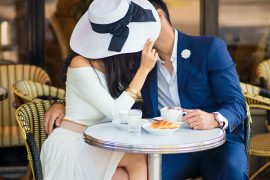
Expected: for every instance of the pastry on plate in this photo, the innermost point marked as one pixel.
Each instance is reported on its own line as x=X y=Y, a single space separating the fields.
x=164 y=124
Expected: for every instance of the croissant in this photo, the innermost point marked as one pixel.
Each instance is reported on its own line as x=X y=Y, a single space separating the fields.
x=163 y=124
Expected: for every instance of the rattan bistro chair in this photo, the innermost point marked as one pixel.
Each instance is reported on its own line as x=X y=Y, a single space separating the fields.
x=260 y=143
x=254 y=96
x=30 y=117
x=27 y=90
x=263 y=73
x=9 y=130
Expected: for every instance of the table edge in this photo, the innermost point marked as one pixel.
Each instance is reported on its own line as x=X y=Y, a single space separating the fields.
x=149 y=149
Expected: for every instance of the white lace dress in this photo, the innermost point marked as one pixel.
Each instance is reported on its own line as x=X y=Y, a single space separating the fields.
x=64 y=154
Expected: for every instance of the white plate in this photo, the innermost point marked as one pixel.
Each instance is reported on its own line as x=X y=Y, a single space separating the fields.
x=159 y=132
x=158 y=118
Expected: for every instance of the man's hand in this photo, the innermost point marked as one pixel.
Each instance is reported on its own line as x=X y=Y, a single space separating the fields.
x=197 y=119
x=54 y=115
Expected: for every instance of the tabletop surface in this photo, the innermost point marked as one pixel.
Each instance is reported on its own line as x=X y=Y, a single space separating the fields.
x=109 y=136
x=3 y=93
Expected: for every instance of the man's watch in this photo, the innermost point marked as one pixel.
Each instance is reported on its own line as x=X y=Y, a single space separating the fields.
x=59 y=101
x=221 y=123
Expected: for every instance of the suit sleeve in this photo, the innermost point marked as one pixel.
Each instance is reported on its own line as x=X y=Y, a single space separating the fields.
x=224 y=82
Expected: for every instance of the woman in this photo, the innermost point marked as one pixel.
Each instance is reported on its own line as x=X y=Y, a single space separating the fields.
x=101 y=83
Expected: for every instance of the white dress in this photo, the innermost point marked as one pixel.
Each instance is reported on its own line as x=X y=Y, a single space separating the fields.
x=64 y=154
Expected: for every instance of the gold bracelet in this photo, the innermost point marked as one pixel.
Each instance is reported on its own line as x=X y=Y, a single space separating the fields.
x=134 y=96
x=131 y=95
x=134 y=91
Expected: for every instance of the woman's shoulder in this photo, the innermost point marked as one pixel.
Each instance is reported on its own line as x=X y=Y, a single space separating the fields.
x=81 y=66
x=79 y=61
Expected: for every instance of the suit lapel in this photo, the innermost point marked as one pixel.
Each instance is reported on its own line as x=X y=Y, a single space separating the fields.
x=150 y=88
x=150 y=93
x=183 y=64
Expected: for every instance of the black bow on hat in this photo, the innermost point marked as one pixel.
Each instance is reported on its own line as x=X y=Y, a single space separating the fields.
x=119 y=29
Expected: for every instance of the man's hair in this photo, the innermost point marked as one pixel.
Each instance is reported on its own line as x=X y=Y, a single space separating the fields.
x=160 y=4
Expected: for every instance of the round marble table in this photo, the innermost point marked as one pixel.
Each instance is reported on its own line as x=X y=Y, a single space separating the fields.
x=109 y=136
x=3 y=94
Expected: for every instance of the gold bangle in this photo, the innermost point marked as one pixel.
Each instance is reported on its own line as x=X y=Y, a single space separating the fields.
x=131 y=95
x=134 y=96
x=134 y=91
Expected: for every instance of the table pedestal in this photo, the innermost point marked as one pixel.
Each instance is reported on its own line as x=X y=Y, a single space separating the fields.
x=154 y=166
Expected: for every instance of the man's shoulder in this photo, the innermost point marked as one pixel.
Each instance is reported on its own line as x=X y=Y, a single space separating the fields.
x=204 y=41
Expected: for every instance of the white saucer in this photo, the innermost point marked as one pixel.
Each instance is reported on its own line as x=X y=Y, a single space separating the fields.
x=157 y=118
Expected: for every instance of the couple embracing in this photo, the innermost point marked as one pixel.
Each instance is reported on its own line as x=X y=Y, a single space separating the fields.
x=124 y=48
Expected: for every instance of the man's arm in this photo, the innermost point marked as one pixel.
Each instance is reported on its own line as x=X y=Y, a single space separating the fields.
x=225 y=85
x=54 y=115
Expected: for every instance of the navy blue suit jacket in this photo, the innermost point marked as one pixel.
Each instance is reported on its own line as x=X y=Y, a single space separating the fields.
x=207 y=80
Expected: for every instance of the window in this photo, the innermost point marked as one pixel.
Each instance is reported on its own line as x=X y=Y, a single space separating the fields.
x=245 y=26
x=13 y=32
x=185 y=15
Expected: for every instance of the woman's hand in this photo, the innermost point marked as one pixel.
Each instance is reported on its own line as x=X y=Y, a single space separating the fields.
x=149 y=57
x=148 y=61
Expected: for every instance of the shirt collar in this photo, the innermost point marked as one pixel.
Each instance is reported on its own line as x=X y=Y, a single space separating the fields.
x=174 y=52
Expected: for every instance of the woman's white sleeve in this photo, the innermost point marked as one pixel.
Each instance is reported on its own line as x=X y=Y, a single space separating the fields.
x=89 y=88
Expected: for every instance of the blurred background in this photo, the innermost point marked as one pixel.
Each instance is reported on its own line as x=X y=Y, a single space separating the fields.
x=37 y=32
x=243 y=24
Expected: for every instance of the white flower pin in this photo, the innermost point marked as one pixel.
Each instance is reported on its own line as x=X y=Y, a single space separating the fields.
x=185 y=53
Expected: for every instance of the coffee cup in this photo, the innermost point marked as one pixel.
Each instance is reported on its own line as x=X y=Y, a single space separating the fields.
x=174 y=114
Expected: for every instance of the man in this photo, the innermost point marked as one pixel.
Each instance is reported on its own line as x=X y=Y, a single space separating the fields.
x=197 y=74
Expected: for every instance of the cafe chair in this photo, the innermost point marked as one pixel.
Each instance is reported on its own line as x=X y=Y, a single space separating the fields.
x=9 y=130
x=27 y=90
x=258 y=98
x=255 y=96
x=260 y=143
x=263 y=73
x=30 y=117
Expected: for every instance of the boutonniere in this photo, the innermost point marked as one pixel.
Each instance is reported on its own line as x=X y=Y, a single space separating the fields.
x=185 y=53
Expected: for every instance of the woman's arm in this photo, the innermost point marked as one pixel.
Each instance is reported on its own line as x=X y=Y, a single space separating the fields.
x=92 y=92
x=57 y=111
x=148 y=61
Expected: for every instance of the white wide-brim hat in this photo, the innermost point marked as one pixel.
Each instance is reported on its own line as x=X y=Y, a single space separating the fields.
x=90 y=44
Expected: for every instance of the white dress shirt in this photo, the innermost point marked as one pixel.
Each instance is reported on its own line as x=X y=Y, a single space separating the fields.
x=167 y=84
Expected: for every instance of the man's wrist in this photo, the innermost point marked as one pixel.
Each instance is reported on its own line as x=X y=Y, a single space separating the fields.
x=215 y=123
x=219 y=122
x=58 y=101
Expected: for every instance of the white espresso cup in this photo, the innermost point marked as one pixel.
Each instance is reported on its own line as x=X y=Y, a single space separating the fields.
x=174 y=114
